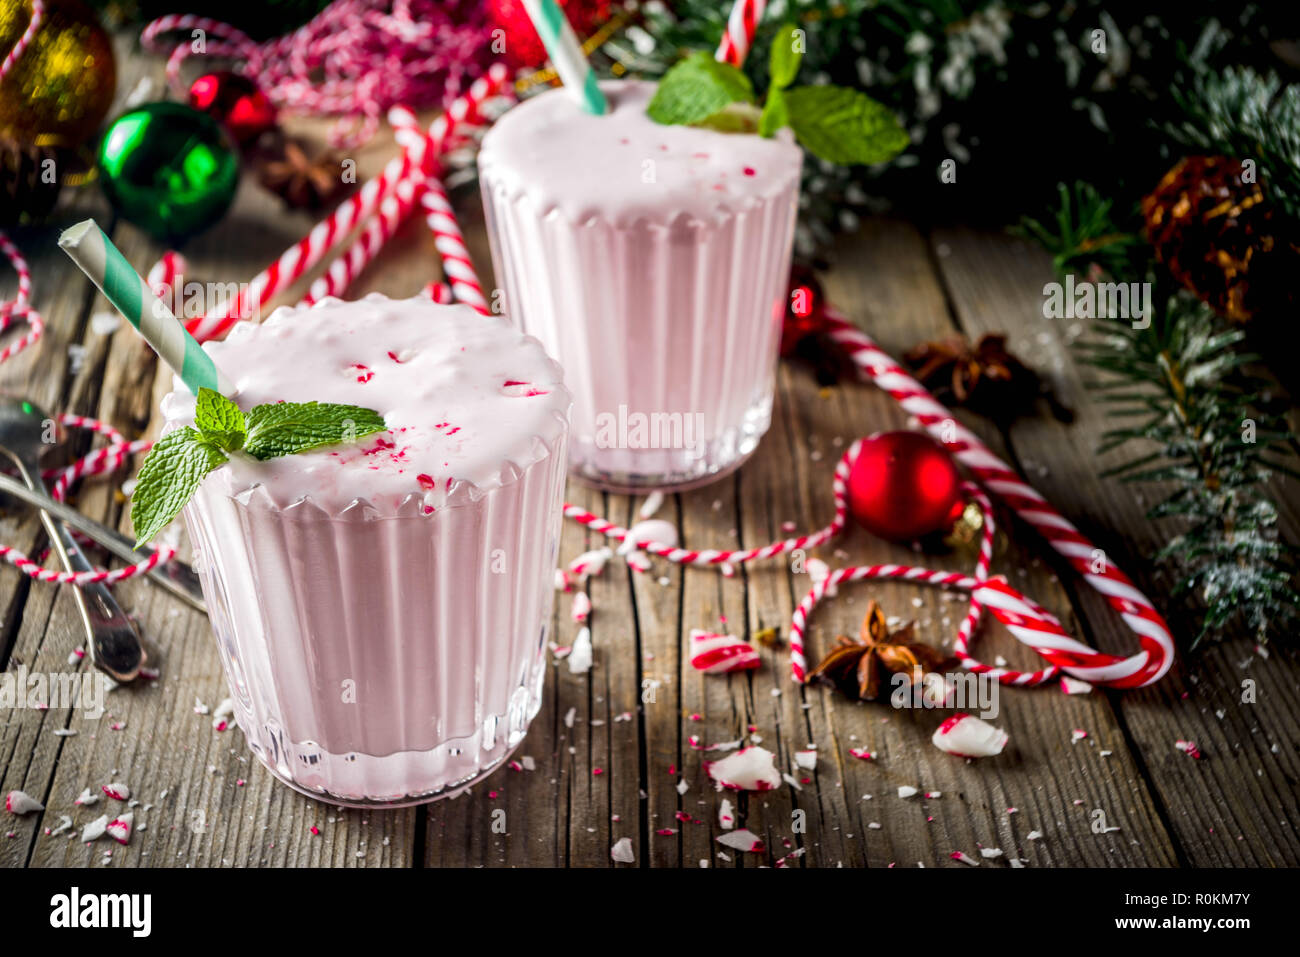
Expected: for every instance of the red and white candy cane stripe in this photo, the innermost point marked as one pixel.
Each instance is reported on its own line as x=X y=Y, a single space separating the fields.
x=19 y=308
x=340 y=273
x=449 y=242
x=353 y=59
x=16 y=51
x=104 y=460
x=163 y=277
x=686 y=556
x=419 y=153
x=716 y=654
x=447 y=237
x=1156 y=642
x=439 y=292
x=739 y=35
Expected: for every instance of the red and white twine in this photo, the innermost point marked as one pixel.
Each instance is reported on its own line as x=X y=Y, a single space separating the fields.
x=354 y=59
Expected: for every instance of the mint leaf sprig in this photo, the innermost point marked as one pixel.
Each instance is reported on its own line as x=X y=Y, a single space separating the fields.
x=180 y=460
x=835 y=123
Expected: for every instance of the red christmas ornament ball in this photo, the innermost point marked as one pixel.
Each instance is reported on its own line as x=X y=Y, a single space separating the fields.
x=522 y=47
x=234 y=101
x=805 y=311
x=904 y=485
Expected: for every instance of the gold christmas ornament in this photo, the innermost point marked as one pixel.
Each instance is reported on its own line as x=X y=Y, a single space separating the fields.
x=63 y=83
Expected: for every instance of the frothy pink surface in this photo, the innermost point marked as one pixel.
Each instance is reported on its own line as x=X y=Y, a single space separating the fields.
x=445 y=379
x=623 y=166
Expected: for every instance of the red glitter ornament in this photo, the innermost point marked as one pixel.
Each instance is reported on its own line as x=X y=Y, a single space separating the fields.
x=520 y=44
x=234 y=101
x=805 y=311
x=904 y=485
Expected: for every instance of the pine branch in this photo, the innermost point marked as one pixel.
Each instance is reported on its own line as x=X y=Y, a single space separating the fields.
x=1212 y=433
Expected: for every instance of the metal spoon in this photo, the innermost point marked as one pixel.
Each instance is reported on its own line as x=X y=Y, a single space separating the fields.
x=175 y=576
x=114 y=643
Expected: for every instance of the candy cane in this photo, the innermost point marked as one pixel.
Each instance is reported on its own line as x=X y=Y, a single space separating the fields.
x=19 y=307
x=739 y=34
x=38 y=14
x=450 y=243
x=1155 y=639
x=393 y=211
x=447 y=237
x=327 y=235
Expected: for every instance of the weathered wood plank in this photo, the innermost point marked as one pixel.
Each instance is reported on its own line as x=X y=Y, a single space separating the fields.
x=1236 y=807
x=883 y=278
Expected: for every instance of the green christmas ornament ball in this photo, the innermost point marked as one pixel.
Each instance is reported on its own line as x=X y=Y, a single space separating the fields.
x=169 y=169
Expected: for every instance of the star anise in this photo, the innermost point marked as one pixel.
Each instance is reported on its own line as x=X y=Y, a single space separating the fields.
x=303 y=182
x=984 y=377
x=857 y=666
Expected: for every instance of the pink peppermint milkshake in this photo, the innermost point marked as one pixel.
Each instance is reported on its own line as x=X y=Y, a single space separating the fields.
x=382 y=607
x=652 y=262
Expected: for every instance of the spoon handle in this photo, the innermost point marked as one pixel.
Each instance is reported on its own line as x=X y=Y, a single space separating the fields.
x=176 y=576
x=114 y=642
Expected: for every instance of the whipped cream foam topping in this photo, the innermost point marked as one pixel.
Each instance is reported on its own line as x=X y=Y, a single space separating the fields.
x=623 y=166
x=467 y=399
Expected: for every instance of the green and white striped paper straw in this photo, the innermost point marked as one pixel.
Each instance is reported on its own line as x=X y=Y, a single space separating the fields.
x=566 y=54
x=108 y=269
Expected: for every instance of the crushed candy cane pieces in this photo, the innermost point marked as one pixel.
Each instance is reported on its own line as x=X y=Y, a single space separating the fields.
x=862 y=754
x=20 y=802
x=726 y=815
x=581 y=607
x=649 y=531
x=968 y=737
x=580 y=657
x=742 y=840
x=622 y=851
x=964 y=859
x=1188 y=748
x=222 y=715
x=119 y=829
x=651 y=504
x=716 y=654
x=117 y=791
x=95 y=829
x=749 y=769
x=1074 y=685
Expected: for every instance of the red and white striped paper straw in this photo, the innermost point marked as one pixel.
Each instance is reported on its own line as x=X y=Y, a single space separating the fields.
x=739 y=34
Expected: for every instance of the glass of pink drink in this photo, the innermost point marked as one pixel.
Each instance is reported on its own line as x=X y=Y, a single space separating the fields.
x=382 y=607
x=652 y=262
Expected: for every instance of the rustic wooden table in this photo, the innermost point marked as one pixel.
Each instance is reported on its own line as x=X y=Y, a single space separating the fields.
x=610 y=747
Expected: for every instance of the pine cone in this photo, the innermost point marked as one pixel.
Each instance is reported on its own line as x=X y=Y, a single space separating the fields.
x=1221 y=238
